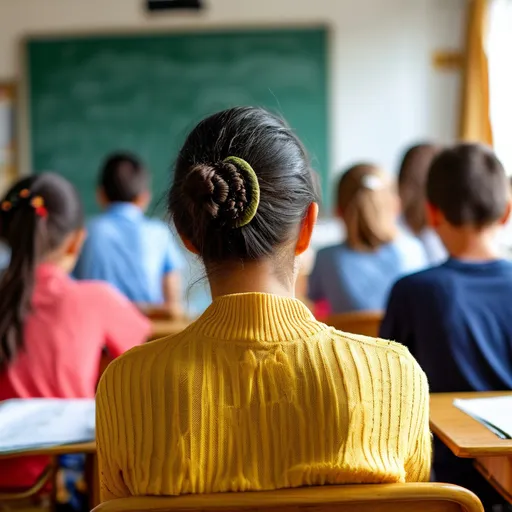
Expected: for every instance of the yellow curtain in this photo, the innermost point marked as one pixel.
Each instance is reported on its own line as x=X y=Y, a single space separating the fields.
x=475 y=124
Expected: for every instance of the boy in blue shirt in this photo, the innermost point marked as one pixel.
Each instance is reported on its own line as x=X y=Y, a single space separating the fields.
x=134 y=253
x=456 y=318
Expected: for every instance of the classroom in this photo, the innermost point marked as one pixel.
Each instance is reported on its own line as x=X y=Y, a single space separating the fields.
x=255 y=255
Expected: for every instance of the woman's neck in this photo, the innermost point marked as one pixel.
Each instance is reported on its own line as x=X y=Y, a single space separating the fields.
x=260 y=277
x=64 y=262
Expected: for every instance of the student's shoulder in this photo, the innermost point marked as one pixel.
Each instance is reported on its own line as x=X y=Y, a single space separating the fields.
x=391 y=350
x=153 y=355
x=99 y=219
x=98 y=291
x=92 y=299
x=157 y=225
x=330 y=252
x=102 y=223
x=388 y=359
x=158 y=231
x=430 y=277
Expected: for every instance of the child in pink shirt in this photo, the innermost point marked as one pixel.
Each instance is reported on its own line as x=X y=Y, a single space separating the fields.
x=53 y=329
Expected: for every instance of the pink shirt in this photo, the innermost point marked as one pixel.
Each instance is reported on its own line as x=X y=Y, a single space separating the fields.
x=71 y=323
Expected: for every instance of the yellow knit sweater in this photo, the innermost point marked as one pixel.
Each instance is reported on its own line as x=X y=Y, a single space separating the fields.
x=258 y=395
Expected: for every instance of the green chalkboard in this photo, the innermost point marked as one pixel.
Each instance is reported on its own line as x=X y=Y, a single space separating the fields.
x=90 y=96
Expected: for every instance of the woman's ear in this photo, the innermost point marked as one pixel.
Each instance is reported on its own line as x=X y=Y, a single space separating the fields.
x=143 y=199
x=67 y=255
x=188 y=245
x=506 y=216
x=75 y=243
x=306 y=229
x=434 y=216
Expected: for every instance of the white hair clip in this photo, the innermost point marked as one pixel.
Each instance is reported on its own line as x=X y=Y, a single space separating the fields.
x=372 y=182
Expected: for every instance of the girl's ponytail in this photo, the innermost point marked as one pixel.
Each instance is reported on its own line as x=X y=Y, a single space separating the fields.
x=368 y=204
x=17 y=283
x=35 y=217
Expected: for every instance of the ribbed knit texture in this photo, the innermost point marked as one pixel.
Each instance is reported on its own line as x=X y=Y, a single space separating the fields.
x=258 y=395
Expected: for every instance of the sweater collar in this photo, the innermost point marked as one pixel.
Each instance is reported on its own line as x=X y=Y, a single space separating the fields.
x=258 y=317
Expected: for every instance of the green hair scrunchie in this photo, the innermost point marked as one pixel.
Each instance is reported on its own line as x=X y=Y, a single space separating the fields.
x=252 y=186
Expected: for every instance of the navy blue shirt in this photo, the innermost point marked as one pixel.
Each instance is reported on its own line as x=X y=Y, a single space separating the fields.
x=456 y=319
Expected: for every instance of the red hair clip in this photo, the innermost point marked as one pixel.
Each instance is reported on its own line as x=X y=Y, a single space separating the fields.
x=37 y=203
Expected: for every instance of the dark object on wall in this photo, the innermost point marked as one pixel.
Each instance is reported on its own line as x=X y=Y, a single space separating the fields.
x=167 y=5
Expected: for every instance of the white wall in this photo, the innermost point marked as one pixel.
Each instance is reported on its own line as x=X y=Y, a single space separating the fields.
x=385 y=92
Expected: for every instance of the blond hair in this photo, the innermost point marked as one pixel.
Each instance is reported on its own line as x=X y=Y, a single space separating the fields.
x=366 y=201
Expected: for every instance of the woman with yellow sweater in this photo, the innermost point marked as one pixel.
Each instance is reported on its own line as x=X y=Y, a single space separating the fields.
x=256 y=394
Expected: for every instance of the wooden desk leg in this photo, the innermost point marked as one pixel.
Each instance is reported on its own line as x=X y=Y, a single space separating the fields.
x=498 y=472
x=93 y=480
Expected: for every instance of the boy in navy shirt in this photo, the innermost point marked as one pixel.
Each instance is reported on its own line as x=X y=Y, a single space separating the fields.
x=456 y=318
x=132 y=252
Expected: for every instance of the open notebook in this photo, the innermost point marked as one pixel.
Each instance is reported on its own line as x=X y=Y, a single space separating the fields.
x=40 y=422
x=494 y=413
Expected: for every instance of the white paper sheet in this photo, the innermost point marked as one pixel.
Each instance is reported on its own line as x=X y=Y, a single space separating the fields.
x=40 y=422
x=494 y=413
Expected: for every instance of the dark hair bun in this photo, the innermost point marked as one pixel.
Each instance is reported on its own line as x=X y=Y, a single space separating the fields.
x=218 y=191
x=220 y=207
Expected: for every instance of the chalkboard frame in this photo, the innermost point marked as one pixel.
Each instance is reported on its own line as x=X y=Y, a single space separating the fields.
x=24 y=111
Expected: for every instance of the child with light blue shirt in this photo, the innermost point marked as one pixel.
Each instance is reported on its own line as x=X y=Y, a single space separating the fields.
x=132 y=252
x=358 y=274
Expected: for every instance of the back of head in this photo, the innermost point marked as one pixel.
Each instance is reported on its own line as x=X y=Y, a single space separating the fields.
x=467 y=183
x=123 y=178
x=220 y=207
x=36 y=216
x=366 y=201
x=412 y=180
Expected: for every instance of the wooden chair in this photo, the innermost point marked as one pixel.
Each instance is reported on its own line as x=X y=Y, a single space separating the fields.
x=344 y=498
x=357 y=322
x=47 y=477
x=30 y=499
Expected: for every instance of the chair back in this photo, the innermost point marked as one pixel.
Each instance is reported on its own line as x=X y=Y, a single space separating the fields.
x=357 y=322
x=344 y=498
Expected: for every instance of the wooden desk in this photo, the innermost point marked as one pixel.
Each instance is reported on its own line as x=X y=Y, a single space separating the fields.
x=55 y=451
x=92 y=474
x=467 y=438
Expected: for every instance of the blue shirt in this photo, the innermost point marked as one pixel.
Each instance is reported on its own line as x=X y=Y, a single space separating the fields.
x=456 y=319
x=352 y=280
x=432 y=245
x=129 y=251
